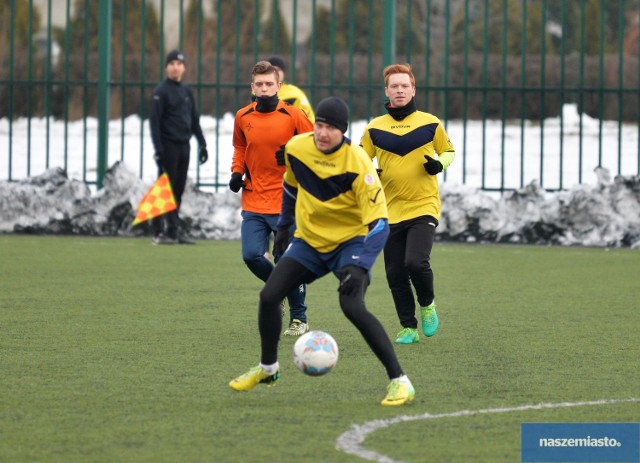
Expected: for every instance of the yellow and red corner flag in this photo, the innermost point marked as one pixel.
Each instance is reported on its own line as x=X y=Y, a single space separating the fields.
x=157 y=201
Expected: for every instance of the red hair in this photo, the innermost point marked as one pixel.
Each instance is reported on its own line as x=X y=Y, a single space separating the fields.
x=398 y=69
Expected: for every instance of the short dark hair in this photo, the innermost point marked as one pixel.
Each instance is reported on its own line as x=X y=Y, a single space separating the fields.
x=264 y=67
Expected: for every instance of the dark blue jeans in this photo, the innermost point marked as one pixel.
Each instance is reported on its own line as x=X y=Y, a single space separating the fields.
x=256 y=231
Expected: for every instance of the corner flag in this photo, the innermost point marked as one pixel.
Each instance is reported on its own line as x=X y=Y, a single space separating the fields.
x=157 y=201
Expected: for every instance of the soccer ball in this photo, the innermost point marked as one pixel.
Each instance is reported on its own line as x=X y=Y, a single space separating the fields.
x=315 y=353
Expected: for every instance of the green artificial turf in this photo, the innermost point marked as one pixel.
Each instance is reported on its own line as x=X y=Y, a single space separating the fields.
x=114 y=350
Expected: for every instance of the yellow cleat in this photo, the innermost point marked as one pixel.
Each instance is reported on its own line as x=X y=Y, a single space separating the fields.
x=296 y=328
x=252 y=378
x=399 y=393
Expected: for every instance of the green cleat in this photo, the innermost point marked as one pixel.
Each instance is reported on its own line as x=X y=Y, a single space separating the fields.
x=408 y=336
x=252 y=378
x=429 y=318
x=399 y=393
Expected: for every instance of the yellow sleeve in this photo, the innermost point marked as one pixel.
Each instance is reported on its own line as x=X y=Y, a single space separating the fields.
x=444 y=147
x=446 y=158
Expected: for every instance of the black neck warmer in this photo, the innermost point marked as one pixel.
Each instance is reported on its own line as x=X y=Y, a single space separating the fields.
x=266 y=104
x=400 y=113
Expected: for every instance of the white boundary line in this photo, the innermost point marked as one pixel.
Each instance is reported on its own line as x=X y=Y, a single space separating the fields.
x=351 y=441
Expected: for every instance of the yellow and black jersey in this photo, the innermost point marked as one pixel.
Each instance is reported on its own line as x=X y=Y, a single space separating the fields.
x=293 y=95
x=338 y=194
x=400 y=147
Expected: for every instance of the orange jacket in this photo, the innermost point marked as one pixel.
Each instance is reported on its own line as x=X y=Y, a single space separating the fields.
x=256 y=138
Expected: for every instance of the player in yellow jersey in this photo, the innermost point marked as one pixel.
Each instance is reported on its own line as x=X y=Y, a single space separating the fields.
x=289 y=93
x=333 y=193
x=411 y=147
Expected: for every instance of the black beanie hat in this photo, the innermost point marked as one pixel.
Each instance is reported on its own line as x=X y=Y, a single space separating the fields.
x=174 y=55
x=334 y=111
x=276 y=60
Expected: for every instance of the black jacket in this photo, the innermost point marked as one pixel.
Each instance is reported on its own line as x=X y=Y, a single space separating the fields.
x=173 y=115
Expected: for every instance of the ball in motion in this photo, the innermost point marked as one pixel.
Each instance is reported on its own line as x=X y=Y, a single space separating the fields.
x=315 y=353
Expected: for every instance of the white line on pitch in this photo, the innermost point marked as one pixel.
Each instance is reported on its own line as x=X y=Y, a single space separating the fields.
x=351 y=441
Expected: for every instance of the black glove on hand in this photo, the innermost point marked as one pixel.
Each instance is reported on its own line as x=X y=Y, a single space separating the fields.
x=280 y=156
x=204 y=155
x=236 y=182
x=352 y=278
x=432 y=166
x=157 y=156
x=281 y=241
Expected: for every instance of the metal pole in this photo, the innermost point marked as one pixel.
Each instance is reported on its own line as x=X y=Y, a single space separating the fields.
x=104 y=75
x=389 y=33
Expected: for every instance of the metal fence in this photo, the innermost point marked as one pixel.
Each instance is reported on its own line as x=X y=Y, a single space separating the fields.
x=529 y=90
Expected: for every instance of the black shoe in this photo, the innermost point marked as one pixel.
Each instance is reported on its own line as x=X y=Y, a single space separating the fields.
x=185 y=239
x=163 y=239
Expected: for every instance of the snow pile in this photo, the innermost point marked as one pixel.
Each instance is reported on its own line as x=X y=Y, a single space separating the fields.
x=51 y=203
x=606 y=214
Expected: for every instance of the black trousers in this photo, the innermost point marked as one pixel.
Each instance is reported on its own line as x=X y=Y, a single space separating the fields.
x=289 y=274
x=175 y=162
x=407 y=256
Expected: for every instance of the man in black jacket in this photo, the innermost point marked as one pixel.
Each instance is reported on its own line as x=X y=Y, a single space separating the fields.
x=173 y=121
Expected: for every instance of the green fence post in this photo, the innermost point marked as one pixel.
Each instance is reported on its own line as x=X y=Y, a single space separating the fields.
x=123 y=75
x=621 y=20
x=389 y=33
x=503 y=92
x=104 y=74
x=563 y=56
x=30 y=86
x=581 y=89
x=543 y=73
x=48 y=87
x=142 y=111
x=523 y=91
x=485 y=68
x=12 y=45
x=465 y=94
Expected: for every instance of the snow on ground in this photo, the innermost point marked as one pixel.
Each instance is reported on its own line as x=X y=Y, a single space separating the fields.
x=47 y=194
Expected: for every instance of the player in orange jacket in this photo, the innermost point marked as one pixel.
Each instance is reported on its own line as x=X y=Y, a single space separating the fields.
x=260 y=129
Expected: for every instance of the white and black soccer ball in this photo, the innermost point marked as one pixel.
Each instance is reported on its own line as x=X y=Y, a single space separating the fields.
x=315 y=353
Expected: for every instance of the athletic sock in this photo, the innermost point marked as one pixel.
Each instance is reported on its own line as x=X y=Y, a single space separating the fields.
x=270 y=369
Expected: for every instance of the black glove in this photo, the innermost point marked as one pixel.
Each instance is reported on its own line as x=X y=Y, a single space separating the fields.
x=236 y=182
x=280 y=156
x=379 y=172
x=352 y=278
x=281 y=241
x=157 y=156
x=204 y=154
x=432 y=166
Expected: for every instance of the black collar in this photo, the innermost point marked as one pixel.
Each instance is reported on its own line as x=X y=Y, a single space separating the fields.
x=400 y=113
x=266 y=104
